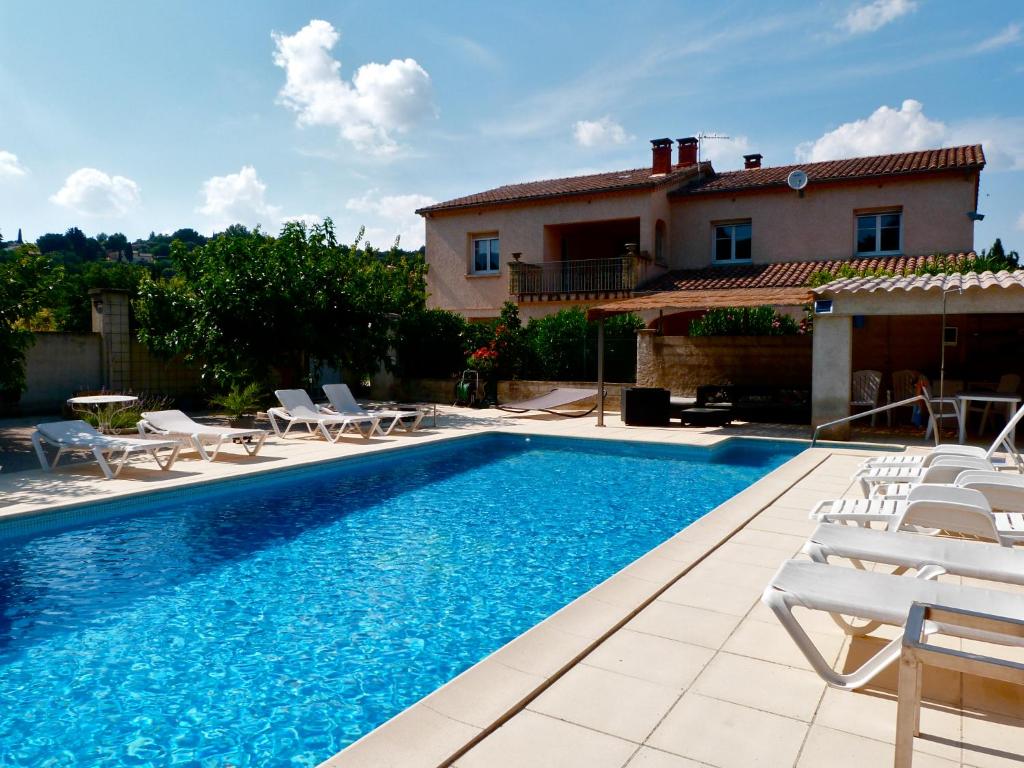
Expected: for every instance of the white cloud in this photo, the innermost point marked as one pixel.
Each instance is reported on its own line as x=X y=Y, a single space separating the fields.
x=886 y=130
x=238 y=198
x=1008 y=36
x=392 y=215
x=10 y=167
x=382 y=100
x=91 y=192
x=725 y=154
x=875 y=15
x=908 y=128
x=603 y=132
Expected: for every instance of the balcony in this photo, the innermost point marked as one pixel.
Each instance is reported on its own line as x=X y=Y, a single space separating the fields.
x=593 y=278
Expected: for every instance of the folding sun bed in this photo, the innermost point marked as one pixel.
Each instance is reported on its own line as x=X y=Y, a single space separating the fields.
x=78 y=435
x=556 y=398
x=344 y=404
x=977 y=502
x=174 y=422
x=298 y=408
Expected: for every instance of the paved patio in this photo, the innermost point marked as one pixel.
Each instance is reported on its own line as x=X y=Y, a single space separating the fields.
x=672 y=662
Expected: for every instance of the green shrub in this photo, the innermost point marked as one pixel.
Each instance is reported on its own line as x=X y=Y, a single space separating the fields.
x=744 y=321
x=238 y=401
x=429 y=344
x=563 y=347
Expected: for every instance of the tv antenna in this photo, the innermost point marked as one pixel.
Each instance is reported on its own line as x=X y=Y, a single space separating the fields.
x=706 y=135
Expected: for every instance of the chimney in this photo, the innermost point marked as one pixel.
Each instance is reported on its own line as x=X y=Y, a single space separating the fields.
x=662 y=149
x=752 y=161
x=687 y=152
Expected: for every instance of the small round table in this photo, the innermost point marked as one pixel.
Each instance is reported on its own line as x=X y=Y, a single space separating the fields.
x=107 y=406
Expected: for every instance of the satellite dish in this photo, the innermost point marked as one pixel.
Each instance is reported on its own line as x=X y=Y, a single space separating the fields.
x=797 y=179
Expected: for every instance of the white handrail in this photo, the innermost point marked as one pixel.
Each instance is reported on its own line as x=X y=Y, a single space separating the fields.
x=880 y=409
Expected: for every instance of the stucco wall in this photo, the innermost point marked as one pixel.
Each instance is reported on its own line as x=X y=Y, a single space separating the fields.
x=821 y=224
x=683 y=363
x=57 y=366
x=521 y=229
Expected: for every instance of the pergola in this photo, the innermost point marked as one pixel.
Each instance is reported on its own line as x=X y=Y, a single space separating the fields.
x=686 y=301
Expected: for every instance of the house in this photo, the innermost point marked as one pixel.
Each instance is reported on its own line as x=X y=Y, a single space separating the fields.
x=680 y=225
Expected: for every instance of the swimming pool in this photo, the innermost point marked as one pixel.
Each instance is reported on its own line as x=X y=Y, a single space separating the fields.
x=273 y=621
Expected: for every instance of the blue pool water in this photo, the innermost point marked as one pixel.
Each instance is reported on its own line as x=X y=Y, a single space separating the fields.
x=273 y=622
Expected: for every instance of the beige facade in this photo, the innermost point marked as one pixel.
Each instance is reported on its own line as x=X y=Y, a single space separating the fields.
x=676 y=232
x=821 y=224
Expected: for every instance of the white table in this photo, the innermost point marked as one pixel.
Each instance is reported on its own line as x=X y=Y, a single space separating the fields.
x=107 y=406
x=1012 y=402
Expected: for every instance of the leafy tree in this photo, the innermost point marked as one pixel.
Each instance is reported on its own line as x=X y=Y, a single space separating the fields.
x=429 y=344
x=188 y=236
x=246 y=305
x=119 y=242
x=26 y=280
x=52 y=242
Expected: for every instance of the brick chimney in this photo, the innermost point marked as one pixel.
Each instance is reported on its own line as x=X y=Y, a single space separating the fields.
x=687 y=152
x=752 y=161
x=662 y=150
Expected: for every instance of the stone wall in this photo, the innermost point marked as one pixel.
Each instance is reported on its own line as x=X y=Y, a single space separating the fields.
x=683 y=363
x=58 y=365
x=443 y=391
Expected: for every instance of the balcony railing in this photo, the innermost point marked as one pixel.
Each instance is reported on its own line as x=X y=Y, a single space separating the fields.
x=574 y=276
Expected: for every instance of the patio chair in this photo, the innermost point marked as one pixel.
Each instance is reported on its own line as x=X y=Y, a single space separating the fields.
x=904 y=386
x=298 y=408
x=880 y=598
x=1003 y=501
x=173 y=422
x=865 y=388
x=1009 y=384
x=944 y=407
x=78 y=435
x=343 y=403
x=876 y=481
x=1002 y=441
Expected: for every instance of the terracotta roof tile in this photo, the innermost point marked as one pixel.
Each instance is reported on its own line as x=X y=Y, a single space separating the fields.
x=782 y=274
x=613 y=181
x=924 y=161
x=963 y=281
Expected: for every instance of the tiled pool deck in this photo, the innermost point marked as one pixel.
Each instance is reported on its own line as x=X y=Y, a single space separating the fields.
x=672 y=662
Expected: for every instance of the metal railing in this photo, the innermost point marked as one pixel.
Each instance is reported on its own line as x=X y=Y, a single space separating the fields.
x=574 y=276
x=887 y=407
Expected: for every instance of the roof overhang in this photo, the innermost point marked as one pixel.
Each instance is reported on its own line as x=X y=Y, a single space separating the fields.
x=966 y=293
x=696 y=301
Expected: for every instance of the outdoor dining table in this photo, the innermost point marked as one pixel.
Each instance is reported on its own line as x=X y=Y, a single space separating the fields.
x=1012 y=402
x=107 y=406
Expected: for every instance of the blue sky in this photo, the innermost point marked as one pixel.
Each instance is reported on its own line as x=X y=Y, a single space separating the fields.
x=128 y=116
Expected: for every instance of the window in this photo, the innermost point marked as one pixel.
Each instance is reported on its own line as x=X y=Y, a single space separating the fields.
x=732 y=242
x=880 y=232
x=485 y=255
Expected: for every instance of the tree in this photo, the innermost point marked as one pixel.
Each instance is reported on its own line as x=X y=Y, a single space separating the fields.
x=246 y=305
x=118 y=242
x=1000 y=258
x=26 y=282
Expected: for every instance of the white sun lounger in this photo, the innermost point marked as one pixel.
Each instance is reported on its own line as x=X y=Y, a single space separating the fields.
x=965 y=507
x=878 y=481
x=173 y=422
x=1002 y=442
x=298 y=408
x=960 y=557
x=78 y=435
x=344 y=404
x=878 y=598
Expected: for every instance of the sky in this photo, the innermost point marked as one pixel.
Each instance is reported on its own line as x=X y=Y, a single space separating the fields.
x=137 y=117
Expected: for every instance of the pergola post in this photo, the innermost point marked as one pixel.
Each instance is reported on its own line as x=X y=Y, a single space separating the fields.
x=600 y=371
x=830 y=381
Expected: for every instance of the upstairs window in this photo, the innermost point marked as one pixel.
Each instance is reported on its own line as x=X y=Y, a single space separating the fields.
x=732 y=243
x=486 y=256
x=880 y=233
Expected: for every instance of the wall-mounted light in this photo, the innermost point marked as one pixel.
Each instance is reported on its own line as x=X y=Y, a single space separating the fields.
x=97 y=304
x=975 y=216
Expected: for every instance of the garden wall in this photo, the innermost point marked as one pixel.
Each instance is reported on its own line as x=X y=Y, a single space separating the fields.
x=57 y=366
x=443 y=391
x=683 y=363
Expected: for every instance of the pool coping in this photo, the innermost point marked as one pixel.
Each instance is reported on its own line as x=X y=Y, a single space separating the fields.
x=441 y=727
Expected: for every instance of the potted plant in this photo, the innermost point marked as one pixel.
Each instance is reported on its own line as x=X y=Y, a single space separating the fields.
x=240 y=405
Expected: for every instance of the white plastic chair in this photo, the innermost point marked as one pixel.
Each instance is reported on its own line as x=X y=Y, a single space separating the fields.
x=174 y=422
x=865 y=389
x=78 y=435
x=343 y=403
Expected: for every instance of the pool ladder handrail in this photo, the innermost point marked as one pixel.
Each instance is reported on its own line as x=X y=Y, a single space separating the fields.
x=887 y=407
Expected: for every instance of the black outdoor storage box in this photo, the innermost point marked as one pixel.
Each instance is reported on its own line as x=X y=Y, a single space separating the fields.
x=645 y=406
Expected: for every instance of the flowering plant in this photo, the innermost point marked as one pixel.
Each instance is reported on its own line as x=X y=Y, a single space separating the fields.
x=484 y=360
